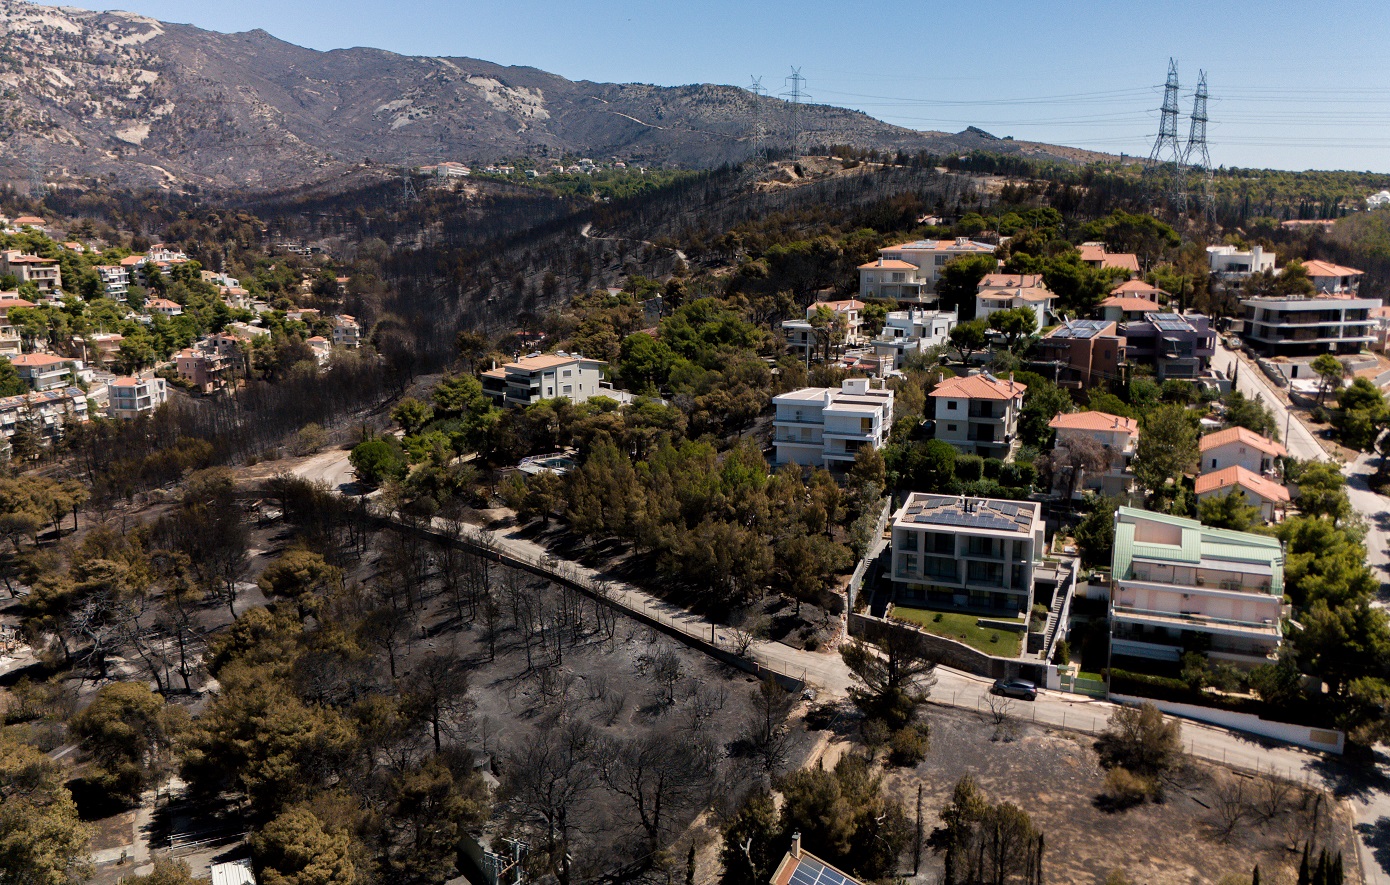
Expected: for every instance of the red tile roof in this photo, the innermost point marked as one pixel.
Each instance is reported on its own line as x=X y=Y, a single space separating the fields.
x=979 y=387
x=1328 y=269
x=1131 y=305
x=1093 y=421
x=1239 y=476
x=1240 y=434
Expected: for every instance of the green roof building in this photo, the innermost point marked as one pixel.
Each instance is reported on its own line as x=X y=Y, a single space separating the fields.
x=1179 y=586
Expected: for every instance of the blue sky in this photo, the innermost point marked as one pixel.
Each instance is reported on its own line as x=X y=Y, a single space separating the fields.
x=1293 y=85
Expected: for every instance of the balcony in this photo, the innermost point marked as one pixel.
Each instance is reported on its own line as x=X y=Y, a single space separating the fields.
x=1164 y=578
x=1202 y=623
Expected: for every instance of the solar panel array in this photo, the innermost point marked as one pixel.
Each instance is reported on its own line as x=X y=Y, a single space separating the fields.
x=1169 y=322
x=1081 y=329
x=978 y=514
x=812 y=872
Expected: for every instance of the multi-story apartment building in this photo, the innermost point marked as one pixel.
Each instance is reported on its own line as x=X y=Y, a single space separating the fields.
x=131 y=397
x=346 y=331
x=49 y=413
x=544 y=376
x=1179 y=586
x=1117 y=436
x=910 y=271
x=206 y=371
x=1001 y=291
x=11 y=343
x=978 y=414
x=966 y=553
x=906 y=332
x=1239 y=447
x=824 y=427
x=42 y=272
x=1084 y=352
x=1175 y=345
x=115 y=280
x=801 y=334
x=1299 y=325
x=44 y=371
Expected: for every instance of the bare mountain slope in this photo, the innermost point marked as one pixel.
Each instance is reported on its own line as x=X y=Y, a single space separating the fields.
x=116 y=94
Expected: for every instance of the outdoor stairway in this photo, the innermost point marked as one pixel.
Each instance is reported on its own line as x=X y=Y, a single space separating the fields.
x=1054 y=615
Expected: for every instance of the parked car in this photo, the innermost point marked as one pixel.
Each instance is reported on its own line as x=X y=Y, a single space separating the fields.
x=1016 y=688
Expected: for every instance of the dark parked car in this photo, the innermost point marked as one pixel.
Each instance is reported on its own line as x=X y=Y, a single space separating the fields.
x=1016 y=688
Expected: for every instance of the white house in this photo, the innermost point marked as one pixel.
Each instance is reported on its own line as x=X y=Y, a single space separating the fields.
x=545 y=376
x=1236 y=446
x=1378 y=201
x=978 y=414
x=45 y=371
x=346 y=332
x=1001 y=291
x=801 y=334
x=1117 y=436
x=1271 y=497
x=912 y=331
x=1334 y=279
x=967 y=553
x=1231 y=263
x=115 y=280
x=824 y=427
x=131 y=397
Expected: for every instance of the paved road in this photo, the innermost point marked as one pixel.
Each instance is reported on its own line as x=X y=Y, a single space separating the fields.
x=1368 y=795
x=1374 y=509
x=1251 y=381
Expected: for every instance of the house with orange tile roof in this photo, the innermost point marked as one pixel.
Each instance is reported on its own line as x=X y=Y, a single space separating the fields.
x=1006 y=291
x=204 y=370
x=1239 y=446
x=164 y=307
x=44 y=371
x=541 y=376
x=978 y=414
x=1271 y=497
x=1334 y=279
x=135 y=396
x=346 y=332
x=1117 y=436
x=42 y=272
x=1096 y=255
x=910 y=271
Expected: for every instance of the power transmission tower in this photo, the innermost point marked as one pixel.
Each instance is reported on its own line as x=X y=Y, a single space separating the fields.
x=1197 y=157
x=1166 y=159
x=408 y=194
x=759 y=132
x=795 y=95
x=37 y=190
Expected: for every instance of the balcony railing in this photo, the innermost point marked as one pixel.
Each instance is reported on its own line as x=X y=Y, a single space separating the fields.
x=1268 y=626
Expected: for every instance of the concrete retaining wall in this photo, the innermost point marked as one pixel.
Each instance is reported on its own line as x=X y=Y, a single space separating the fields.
x=947 y=652
x=1324 y=739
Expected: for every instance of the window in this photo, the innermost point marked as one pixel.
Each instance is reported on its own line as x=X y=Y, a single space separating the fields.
x=1213 y=463
x=951 y=405
x=568 y=388
x=565 y=373
x=951 y=428
x=942 y=259
x=908 y=540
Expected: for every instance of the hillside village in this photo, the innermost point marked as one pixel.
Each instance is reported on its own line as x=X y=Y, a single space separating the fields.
x=878 y=522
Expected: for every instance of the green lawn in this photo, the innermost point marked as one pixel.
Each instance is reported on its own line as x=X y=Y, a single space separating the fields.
x=962 y=628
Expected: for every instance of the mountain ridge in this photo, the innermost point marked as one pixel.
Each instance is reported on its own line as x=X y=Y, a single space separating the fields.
x=138 y=102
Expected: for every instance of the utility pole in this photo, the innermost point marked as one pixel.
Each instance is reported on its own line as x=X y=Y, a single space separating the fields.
x=37 y=190
x=1166 y=158
x=758 y=133
x=795 y=95
x=1197 y=148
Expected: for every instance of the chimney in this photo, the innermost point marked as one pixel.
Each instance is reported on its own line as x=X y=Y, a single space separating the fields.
x=796 y=845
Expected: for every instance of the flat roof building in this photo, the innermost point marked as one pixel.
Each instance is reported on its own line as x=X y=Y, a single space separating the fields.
x=1179 y=586
x=824 y=427
x=544 y=376
x=966 y=553
x=1084 y=352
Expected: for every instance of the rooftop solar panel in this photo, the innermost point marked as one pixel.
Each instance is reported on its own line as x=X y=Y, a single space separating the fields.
x=811 y=872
